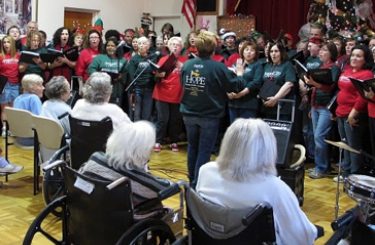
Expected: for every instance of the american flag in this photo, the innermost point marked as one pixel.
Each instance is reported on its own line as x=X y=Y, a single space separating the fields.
x=189 y=10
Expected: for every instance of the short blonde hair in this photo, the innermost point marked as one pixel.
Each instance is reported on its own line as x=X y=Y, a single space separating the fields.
x=30 y=80
x=248 y=149
x=205 y=43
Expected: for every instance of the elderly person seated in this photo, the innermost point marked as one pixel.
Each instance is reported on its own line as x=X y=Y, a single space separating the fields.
x=243 y=176
x=94 y=106
x=127 y=153
x=32 y=85
x=58 y=92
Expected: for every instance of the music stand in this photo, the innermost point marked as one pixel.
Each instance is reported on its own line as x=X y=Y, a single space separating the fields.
x=342 y=146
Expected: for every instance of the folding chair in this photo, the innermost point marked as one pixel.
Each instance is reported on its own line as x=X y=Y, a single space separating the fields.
x=20 y=123
x=50 y=137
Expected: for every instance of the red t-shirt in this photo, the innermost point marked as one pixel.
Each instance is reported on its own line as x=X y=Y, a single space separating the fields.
x=9 y=67
x=63 y=70
x=348 y=96
x=84 y=60
x=169 y=89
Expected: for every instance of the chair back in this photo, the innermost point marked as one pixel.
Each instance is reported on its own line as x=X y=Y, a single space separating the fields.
x=87 y=137
x=50 y=135
x=20 y=122
x=96 y=214
x=211 y=223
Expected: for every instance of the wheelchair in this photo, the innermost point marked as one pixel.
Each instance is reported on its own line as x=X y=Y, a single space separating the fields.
x=209 y=223
x=96 y=211
x=86 y=138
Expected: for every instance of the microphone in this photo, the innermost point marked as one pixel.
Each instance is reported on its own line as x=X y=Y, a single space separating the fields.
x=121 y=43
x=154 y=55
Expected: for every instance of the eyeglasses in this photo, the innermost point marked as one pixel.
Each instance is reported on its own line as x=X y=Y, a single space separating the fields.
x=94 y=37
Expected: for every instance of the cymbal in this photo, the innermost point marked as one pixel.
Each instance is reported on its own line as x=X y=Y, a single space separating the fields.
x=343 y=146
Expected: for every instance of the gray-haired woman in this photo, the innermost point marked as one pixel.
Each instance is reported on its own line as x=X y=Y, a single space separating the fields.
x=94 y=105
x=58 y=92
x=244 y=174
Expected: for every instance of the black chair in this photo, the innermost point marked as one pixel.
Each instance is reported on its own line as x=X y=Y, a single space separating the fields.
x=96 y=211
x=209 y=223
x=87 y=137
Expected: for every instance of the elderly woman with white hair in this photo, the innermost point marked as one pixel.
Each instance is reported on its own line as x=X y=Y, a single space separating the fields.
x=95 y=104
x=127 y=153
x=167 y=95
x=244 y=174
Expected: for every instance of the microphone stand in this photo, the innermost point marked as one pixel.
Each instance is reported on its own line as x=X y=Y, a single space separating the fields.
x=136 y=78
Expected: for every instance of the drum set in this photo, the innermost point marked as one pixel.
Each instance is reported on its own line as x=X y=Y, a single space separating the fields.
x=358 y=222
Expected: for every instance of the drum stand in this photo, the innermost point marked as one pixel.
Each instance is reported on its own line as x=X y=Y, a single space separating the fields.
x=337 y=207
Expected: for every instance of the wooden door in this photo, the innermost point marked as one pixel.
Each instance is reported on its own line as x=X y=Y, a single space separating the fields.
x=75 y=19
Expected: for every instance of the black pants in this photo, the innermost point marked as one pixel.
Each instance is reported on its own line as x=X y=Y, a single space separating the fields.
x=168 y=121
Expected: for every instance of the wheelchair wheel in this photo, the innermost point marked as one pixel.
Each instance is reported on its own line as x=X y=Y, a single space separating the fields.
x=53 y=187
x=149 y=231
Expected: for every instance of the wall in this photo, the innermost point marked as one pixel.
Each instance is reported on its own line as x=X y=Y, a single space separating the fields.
x=116 y=14
x=170 y=11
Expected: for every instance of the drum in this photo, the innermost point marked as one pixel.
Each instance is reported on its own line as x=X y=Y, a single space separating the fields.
x=361 y=188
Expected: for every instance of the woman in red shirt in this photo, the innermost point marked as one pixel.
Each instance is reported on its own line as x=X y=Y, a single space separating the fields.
x=351 y=107
x=93 y=46
x=9 y=58
x=167 y=94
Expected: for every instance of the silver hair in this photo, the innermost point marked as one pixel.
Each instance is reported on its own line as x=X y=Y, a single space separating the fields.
x=143 y=39
x=178 y=39
x=248 y=149
x=97 y=88
x=30 y=80
x=56 y=87
x=130 y=145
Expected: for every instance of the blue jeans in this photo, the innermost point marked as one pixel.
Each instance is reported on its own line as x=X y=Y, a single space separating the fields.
x=321 y=120
x=352 y=136
x=308 y=134
x=201 y=136
x=143 y=104
x=235 y=113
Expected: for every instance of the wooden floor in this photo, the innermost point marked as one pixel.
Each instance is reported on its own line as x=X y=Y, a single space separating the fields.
x=18 y=206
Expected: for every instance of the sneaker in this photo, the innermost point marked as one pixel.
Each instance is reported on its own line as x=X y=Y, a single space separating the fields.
x=339 y=178
x=316 y=175
x=174 y=147
x=157 y=147
x=310 y=170
x=11 y=168
x=3 y=132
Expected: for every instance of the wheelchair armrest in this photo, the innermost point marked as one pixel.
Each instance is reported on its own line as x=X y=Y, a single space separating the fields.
x=253 y=214
x=57 y=155
x=169 y=191
x=116 y=183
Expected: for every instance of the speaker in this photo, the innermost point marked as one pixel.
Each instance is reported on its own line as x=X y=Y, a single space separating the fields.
x=283 y=132
x=206 y=5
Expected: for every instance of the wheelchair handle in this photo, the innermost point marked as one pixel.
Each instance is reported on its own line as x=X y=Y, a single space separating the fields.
x=170 y=191
x=345 y=219
x=253 y=214
x=53 y=164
